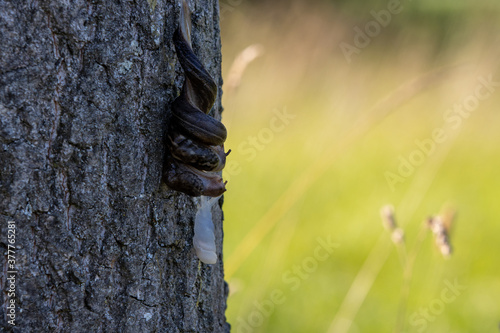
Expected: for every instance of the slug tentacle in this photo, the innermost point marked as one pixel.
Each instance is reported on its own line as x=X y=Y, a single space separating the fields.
x=195 y=140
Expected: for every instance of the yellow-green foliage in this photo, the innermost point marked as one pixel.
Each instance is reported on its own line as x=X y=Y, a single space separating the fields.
x=322 y=174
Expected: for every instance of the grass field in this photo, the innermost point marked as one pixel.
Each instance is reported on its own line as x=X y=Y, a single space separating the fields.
x=321 y=141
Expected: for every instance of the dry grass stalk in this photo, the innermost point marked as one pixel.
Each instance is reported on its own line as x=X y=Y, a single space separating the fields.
x=440 y=231
x=389 y=222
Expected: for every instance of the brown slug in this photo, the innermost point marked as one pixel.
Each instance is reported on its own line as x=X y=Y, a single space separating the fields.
x=195 y=140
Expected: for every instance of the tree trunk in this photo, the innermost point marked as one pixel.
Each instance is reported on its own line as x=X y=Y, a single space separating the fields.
x=100 y=244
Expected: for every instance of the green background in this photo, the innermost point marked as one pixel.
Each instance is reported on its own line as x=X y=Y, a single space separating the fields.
x=322 y=173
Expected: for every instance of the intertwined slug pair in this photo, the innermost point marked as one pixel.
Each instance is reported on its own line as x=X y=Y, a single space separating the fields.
x=195 y=140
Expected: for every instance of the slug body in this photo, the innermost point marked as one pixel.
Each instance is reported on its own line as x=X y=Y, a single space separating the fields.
x=195 y=140
x=204 y=236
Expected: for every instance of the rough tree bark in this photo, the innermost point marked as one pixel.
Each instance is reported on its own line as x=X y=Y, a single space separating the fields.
x=101 y=244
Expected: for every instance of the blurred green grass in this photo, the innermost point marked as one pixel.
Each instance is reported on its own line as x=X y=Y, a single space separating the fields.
x=323 y=174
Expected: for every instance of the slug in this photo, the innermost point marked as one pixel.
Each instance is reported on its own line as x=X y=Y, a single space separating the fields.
x=204 y=237
x=195 y=140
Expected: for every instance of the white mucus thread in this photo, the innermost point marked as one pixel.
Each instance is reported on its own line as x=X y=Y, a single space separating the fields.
x=204 y=236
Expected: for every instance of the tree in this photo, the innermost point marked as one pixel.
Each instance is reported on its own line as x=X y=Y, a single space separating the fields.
x=101 y=245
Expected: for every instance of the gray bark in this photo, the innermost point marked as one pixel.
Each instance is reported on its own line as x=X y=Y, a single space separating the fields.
x=101 y=244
